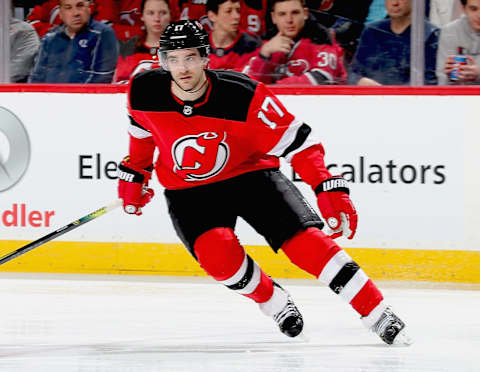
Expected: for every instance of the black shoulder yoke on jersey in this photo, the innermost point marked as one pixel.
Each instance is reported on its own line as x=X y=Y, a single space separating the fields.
x=229 y=97
x=245 y=44
x=254 y=4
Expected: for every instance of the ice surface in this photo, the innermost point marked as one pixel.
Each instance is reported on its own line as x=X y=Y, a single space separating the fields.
x=125 y=323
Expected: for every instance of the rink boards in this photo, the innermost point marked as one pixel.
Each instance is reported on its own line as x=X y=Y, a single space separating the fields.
x=411 y=155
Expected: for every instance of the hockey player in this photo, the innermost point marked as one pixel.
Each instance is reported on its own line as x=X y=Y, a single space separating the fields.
x=218 y=160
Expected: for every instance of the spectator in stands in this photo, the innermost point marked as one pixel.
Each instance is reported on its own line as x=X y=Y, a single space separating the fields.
x=127 y=16
x=45 y=16
x=81 y=50
x=140 y=52
x=461 y=37
x=24 y=44
x=252 y=20
x=301 y=52
x=230 y=48
x=444 y=11
x=383 y=54
x=377 y=10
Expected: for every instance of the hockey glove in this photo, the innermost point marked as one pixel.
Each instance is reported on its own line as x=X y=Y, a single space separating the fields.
x=336 y=207
x=132 y=187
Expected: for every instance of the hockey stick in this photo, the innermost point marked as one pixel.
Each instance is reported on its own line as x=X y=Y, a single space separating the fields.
x=61 y=231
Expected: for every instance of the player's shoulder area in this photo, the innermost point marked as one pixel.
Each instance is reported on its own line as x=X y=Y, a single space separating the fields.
x=142 y=82
x=233 y=81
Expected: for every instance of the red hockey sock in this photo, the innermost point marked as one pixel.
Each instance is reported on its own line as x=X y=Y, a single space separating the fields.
x=367 y=299
x=317 y=254
x=310 y=250
x=222 y=257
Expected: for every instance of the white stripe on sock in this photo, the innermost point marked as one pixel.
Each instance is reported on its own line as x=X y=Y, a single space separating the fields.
x=354 y=286
x=333 y=266
x=254 y=282
x=238 y=275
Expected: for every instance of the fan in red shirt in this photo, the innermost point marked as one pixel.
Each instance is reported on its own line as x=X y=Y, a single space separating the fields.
x=45 y=16
x=126 y=16
x=254 y=14
x=302 y=51
x=252 y=20
x=230 y=47
x=219 y=136
x=140 y=52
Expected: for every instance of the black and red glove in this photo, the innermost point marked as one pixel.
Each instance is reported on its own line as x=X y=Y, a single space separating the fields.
x=336 y=207
x=132 y=187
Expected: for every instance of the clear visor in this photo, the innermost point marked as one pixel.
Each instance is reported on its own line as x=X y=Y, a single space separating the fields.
x=182 y=59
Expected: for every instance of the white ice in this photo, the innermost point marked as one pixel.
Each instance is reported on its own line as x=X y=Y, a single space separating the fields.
x=124 y=323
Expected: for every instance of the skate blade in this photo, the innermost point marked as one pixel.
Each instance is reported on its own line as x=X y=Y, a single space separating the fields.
x=402 y=339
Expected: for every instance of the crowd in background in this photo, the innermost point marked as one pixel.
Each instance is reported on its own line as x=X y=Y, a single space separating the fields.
x=313 y=42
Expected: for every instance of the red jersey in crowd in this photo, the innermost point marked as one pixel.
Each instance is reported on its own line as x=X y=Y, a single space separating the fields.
x=314 y=59
x=309 y=63
x=252 y=14
x=134 y=59
x=237 y=55
x=45 y=16
x=127 y=18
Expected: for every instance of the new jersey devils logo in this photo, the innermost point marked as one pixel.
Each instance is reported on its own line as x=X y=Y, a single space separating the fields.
x=201 y=156
x=297 y=67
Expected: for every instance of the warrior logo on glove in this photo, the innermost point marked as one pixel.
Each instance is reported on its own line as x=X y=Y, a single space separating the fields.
x=336 y=207
x=132 y=186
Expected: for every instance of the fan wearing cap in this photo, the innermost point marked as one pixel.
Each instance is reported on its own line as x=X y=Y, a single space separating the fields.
x=219 y=136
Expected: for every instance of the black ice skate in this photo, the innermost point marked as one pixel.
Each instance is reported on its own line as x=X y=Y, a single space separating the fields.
x=283 y=310
x=387 y=325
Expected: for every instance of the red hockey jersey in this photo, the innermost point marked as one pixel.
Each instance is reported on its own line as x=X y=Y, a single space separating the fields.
x=45 y=16
x=126 y=16
x=237 y=55
x=307 y=63
x=141 y=59
x=252 y=14
x=217 y=137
